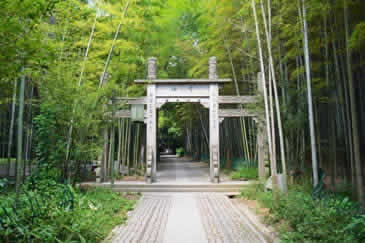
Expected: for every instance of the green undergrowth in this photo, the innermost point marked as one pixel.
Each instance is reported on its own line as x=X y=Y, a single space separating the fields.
x=245 y=173
x=237 y=163
x=180 y=152
x=51 y=212
x=301 y=218
x=5 y=160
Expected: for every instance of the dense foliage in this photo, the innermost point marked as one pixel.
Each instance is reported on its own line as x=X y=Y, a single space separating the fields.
x=245 y=173
x=50 y=212
x=301 y=218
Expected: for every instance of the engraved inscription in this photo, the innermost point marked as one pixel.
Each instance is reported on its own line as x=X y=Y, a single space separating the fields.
x=182 y=90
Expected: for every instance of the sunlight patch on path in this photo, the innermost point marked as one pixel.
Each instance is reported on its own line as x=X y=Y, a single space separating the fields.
x=184 y=224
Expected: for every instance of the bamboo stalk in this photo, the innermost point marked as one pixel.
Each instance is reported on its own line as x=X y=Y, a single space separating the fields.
x=11 y=129
x=19 y=157
x=119 y=144
x=112 y=145
x=262 y=67
x=309 y=97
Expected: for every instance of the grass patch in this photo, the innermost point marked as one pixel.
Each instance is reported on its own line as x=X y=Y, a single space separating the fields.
x=245 y=173
x=51 y=212
x=5 y=160
x=180 y=152
x=304 y=219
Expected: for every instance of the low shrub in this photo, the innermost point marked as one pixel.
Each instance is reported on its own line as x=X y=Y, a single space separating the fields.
x=3 y=184
x=245 y=173
x=329 y=219
x=180 y=152
x=52 y=212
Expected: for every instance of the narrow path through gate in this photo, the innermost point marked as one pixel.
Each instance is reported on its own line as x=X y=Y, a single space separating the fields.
x=203 y=91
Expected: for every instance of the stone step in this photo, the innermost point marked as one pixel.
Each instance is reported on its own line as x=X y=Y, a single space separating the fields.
x=176 y=189
x=139 y=187
x=179 y=185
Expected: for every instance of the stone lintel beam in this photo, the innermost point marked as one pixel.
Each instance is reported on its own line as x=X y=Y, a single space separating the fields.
x=181 y=81
x=130 y=100
x=121 y=114
x=236 y=113
x=237 y=99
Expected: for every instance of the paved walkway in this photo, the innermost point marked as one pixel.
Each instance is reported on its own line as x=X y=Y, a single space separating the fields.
x=185 y=217
x=171 y=169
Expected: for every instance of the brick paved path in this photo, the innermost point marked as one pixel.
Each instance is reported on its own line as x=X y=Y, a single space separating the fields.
x=186 y=218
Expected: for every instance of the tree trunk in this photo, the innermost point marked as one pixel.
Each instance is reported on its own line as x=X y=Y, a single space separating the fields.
x=268 y=126
x=309 y=97
x=11 y=130
x=354 y=122
x=119 y=144
x=112 y=146
x=19 y=159
x=278 y=115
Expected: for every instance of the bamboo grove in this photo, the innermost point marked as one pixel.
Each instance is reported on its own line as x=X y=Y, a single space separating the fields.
x=63 y=61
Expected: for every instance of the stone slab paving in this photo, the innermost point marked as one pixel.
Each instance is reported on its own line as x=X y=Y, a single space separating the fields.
x=186 y=218
x=172 y=169
x=148 y=221
x=223 y=222
x=184 y=224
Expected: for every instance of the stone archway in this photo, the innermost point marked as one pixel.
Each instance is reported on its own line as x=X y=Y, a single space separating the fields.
x=203 y=91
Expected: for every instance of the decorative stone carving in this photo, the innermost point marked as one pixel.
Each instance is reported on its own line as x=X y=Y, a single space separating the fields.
x=213 y=68
x=215 y=159
x=149 y=164
x=214 y=133
x=152 y=68
x=182 y=90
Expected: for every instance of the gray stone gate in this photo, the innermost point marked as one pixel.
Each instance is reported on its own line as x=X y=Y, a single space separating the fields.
x=203 y=91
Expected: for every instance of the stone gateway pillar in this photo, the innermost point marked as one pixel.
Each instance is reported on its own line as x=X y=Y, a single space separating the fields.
x=213 y=122
x=262 y=143
x=151 y=123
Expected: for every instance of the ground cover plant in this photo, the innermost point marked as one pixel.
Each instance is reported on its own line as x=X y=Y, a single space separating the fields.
x=5 y=161
x=180 y=152
x=51 y=212
x=304 y=218
x=245 y=173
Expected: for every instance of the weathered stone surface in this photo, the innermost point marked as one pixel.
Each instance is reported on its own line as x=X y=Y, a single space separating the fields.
x=223 y=222
x=187 y=218
x=213 y=68
x=147 y=223
x=152 y=68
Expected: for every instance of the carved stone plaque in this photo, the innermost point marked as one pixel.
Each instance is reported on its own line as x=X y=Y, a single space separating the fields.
x=182 y=90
